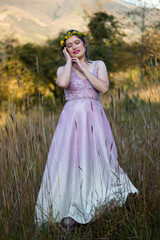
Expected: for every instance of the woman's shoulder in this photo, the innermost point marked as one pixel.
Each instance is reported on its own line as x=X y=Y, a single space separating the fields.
x=100 y=63
x=96 y=61
x=59 y=70
x=60 y=67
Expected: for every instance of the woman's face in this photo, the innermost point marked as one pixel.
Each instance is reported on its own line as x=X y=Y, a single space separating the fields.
x=75 y=47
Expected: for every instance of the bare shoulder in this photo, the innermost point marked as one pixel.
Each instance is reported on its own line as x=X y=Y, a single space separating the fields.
x=102 y=71
x=101 y=64
x=59 y=70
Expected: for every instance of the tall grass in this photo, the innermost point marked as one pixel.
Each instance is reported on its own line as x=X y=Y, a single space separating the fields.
x=24 y=144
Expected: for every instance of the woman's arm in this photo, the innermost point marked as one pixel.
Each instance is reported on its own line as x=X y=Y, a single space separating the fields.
x=101 y=83
x=63 y=75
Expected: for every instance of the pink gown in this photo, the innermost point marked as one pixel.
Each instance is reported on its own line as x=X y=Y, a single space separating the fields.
x=82 y=170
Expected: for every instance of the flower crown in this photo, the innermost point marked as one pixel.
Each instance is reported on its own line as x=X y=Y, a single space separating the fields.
x=69 y=34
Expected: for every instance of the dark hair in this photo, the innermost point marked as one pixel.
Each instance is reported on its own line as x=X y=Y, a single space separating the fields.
x=80 y=37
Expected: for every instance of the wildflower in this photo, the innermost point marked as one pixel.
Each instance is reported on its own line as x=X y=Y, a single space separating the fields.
x=69 y=34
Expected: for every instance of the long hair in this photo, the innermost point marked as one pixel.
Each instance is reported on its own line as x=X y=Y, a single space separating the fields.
x=84 y=43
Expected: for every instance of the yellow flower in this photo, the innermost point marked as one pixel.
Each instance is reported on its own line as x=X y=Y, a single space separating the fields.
x=62 y=42
x=70 y=34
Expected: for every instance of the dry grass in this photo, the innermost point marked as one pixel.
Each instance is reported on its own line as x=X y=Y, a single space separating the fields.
x=25 y=142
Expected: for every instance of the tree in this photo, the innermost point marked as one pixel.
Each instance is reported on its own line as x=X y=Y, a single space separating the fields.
x=105 y=39
x=141 y=17
x=33 y=68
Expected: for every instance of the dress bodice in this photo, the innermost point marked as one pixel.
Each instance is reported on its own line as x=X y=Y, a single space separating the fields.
x=81 y=88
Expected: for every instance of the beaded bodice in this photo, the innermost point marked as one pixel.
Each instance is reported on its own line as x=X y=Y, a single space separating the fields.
x=81 y=88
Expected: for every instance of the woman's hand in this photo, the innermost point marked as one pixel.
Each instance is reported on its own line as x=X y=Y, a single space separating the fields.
x=77 y=64
x=66 y=54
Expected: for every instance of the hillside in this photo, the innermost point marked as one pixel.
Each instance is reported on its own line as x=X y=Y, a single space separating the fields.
x=38 y=20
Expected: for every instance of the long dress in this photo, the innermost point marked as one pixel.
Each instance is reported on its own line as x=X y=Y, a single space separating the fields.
x=82 y=172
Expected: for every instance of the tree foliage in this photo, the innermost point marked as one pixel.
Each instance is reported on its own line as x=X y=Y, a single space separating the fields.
x=106 y=41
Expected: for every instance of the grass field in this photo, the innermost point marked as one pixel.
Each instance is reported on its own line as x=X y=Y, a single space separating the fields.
x=24 y=144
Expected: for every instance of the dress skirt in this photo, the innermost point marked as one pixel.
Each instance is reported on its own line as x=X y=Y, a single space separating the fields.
x=82 y=170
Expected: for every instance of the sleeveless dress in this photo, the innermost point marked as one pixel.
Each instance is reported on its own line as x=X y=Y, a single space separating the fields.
x=82 y=172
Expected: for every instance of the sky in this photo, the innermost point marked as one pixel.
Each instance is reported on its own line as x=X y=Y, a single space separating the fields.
x=149 y=3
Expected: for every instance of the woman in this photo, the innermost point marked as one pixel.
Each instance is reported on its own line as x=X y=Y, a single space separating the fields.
x=82 y=173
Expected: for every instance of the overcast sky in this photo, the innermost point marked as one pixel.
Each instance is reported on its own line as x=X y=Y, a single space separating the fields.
x=149 y=3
